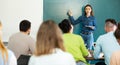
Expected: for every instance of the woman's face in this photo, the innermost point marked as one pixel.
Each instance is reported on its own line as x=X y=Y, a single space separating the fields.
x=88 y=10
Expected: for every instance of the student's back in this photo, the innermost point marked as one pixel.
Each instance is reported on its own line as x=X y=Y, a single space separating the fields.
x=49 y=47
x=21 y=43
x=107 y=43
x=73 y=43
x=56 y=58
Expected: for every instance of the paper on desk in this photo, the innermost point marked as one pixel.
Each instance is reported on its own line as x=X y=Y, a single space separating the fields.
x=101 y=55
x=89 y=55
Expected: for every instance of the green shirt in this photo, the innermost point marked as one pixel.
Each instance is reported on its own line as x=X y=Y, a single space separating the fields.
x=74 y=44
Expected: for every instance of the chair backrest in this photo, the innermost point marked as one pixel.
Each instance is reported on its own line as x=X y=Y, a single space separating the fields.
x=23 y=60
x=100 y=63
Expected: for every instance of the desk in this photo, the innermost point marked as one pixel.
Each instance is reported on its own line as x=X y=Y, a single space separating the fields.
x=93 y=61
x=91 y=58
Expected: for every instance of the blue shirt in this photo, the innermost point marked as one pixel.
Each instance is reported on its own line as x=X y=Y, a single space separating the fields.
x=107 y=44
x=85 y=21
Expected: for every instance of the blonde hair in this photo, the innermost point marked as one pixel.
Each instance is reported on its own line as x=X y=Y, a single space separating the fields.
x=49 y=37
x=3 y=49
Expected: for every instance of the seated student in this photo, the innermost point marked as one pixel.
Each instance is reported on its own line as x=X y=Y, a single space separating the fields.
x=115 y=58
x=21 y=43
x=6 y=56
x=73 y=43
x=107 y=43
x=49 y=47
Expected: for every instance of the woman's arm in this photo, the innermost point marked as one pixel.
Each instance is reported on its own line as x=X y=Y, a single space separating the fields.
x=73 y=21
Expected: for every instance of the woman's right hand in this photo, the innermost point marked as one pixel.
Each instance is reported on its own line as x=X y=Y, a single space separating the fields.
x=70 y=13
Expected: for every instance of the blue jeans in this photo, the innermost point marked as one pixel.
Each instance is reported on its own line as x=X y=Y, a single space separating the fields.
x=81 y=63
x=88 y=40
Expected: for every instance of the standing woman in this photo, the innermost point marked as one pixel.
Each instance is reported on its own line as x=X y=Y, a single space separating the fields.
x=88 y=24
x=6 y=56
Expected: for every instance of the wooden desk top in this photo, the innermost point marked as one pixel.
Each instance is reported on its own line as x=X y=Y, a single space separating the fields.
x=92 y=58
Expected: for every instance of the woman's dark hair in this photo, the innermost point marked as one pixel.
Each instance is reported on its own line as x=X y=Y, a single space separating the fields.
x=117 y=32
x=65 y=26
x=88 y=5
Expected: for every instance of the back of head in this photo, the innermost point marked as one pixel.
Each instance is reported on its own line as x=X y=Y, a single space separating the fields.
x=110 y=25
x=65 y=26
x=24 y=25
x=117 y=32
x=49 y=37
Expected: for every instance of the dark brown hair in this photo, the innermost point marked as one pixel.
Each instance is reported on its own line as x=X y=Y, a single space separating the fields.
x=117 y=32
x=88 y=5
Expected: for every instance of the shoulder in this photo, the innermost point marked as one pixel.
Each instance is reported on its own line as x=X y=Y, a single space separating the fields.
x=78 y=38
x=73 y=36
x=101 y=38
x=76 y=35
x=104 y=35
x=116 y=53
x=58 y=54
x=30 y=37
x=82 y=16
x=92 y=17
x=64 y=53
x=14 y=35
x=11 y=54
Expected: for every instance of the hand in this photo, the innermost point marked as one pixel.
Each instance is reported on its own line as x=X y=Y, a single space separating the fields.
x=90 y=53
x=70 y=13
x=92 y=27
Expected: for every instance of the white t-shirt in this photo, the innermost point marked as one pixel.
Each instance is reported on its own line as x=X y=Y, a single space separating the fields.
x=57 y=58
x=11 y=59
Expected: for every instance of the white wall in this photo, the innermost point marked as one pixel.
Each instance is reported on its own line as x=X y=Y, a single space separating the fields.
x=13 y=11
